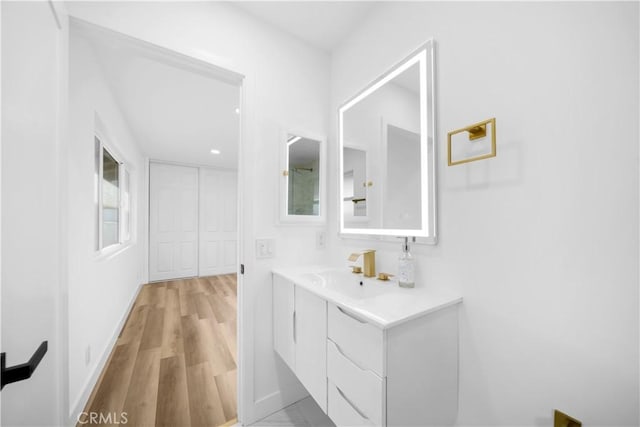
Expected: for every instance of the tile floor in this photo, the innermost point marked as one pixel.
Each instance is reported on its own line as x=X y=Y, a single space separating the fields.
x=305 y=413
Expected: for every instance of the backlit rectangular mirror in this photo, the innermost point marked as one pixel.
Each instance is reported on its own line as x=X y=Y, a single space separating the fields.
x=387 y=153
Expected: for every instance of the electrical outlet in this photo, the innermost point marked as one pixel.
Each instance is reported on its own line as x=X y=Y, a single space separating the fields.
x=321 y=239
x=87 y=355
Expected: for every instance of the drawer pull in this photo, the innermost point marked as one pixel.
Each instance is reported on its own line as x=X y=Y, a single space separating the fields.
x=348 y=358
x=346 y=313
x=346 y=399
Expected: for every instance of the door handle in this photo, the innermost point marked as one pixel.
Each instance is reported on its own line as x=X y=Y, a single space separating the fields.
x=24 y=370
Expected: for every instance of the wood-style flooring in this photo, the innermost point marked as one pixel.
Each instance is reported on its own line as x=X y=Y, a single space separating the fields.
x=175 y=361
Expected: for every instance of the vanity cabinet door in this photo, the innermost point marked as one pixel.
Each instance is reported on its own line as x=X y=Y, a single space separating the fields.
x=283 y=320
x=311 y=344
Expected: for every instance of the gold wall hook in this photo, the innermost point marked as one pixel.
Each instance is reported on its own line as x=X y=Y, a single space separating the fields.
x=475 y=131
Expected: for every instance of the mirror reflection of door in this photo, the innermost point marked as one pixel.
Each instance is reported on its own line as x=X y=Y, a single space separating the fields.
x=402 y=191
x=354 y=183
x=303 y=192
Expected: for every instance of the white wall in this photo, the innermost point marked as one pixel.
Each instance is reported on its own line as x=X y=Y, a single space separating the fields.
x=100 y=287
x=286 y=87
x=541 y=241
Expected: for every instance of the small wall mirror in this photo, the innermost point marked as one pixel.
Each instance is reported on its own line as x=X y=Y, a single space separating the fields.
x=303 y=178
x=387 y=153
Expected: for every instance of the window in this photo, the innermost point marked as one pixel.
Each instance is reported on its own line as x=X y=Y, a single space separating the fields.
x=113 y=198
x=126 y=206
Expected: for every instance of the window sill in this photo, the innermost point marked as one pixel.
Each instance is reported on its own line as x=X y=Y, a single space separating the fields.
x=112 y=251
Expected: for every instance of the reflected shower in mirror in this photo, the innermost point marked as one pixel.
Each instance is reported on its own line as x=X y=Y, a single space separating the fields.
x=303 y=192
x=354 y=184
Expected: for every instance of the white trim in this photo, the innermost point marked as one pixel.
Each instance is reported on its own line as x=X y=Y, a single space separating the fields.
x=83 y=397
x=145 y=228
x=244 y=378
x=247 y=289
x=1 y=145
x=62 y=304
x=112 y=251
x=191 y=62
x=190 y=165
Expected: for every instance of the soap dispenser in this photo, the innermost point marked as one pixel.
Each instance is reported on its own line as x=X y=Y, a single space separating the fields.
x=406 y=267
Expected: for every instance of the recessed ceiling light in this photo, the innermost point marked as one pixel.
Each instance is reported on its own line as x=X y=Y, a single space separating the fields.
x=237 y=110
x=214 y=151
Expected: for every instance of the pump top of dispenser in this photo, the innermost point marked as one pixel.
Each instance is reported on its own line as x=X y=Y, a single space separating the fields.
x=405 y=245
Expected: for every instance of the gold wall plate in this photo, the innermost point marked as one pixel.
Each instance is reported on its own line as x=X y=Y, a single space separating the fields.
x=475 y=131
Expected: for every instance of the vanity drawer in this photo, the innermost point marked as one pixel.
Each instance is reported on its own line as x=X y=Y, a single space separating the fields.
x=341 y=412
x=358 y=340
x=360 y=388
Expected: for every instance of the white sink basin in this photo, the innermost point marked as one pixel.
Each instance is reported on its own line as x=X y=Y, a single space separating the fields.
x=354 y=286
x=381 y=303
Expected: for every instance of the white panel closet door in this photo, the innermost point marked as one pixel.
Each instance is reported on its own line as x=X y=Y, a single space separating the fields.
x=218 y=221
x=173 y=222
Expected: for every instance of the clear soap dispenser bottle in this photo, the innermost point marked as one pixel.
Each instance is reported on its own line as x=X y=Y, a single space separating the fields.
x=406 y=267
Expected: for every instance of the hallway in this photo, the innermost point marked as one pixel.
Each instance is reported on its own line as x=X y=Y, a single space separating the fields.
x=175 y=361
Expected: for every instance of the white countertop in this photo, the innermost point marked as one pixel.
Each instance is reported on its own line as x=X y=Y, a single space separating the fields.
x=381 y=303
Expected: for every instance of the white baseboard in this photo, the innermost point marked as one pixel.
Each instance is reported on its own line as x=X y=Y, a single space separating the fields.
x=82 y=399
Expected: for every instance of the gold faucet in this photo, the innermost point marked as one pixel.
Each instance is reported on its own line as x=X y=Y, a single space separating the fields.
x=369 y=264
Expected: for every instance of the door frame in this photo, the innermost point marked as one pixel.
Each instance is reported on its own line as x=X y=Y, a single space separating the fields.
x=244 y=379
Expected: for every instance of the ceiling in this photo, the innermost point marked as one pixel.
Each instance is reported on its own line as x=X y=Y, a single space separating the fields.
x=322 y=24
x=180 y=114
x=174 y=113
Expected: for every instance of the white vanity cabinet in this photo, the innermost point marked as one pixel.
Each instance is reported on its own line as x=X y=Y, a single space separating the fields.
x=406 y=375
x=391 y=360
x=300 y=335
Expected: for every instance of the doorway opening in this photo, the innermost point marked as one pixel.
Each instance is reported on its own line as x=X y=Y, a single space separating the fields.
x=175 y=360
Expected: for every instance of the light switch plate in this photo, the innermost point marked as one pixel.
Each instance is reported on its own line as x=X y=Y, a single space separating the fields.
x=321 y=239
x=265 y=248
